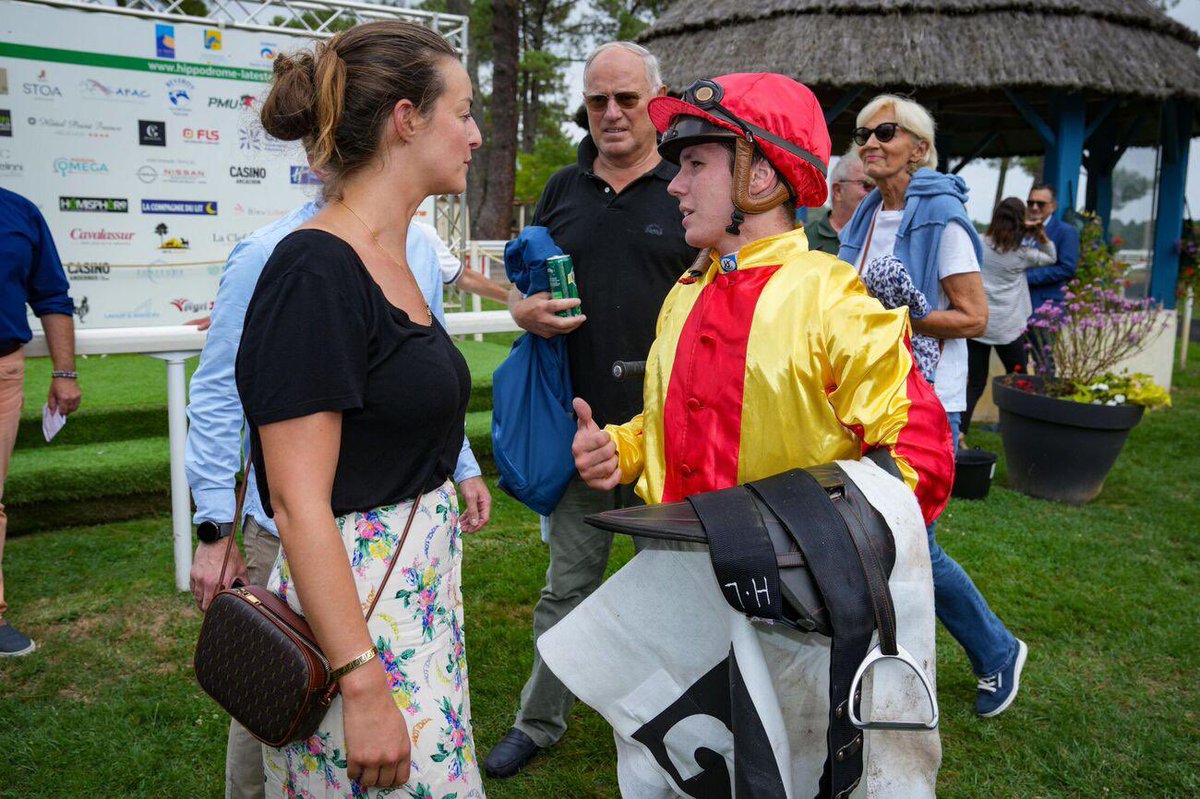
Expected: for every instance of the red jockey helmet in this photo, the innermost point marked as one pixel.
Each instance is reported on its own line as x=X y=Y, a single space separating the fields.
x=779 y=116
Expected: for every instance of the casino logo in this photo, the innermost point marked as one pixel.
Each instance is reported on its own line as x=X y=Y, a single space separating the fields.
x=164 y=243
x=245 y=101
x=103 y=205
x=5 y=122
x=188 y=207
x=179 y=95
x=79 y=166
x=201 y=136
x=164 y=40
x=212 y=39
x=88 y=271
x=248 y=174
x=303 y=176
x=92 y=89
x=152 y=133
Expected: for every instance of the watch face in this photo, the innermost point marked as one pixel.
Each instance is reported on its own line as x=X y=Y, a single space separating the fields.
x=208 y=532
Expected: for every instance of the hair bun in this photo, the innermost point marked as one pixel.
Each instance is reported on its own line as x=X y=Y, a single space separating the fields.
x=289 y=112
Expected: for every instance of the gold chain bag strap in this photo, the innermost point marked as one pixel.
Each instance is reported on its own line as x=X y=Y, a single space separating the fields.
x=259 y=659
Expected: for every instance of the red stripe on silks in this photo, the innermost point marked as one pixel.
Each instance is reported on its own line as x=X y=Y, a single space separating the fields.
x=702 y=413
x=924 y=443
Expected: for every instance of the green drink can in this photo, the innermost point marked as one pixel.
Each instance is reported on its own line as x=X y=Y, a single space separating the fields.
x=560 y=269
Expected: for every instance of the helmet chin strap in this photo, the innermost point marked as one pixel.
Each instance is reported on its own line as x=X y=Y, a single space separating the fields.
x=743 y=159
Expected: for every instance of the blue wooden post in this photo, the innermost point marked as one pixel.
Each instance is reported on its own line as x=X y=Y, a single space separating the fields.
x=1064 y=156
x=1102 y=149
x=1176 y=139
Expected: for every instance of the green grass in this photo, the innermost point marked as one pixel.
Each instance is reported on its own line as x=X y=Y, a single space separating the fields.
x=1107 y=597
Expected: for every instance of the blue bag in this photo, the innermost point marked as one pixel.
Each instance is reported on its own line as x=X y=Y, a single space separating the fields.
x=532 y=420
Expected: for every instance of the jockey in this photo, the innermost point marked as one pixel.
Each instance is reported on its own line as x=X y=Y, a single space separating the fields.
x=769 y=356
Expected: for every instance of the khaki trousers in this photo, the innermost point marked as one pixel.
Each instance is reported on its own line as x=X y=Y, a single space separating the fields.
x=12 y=397
x=243 y=753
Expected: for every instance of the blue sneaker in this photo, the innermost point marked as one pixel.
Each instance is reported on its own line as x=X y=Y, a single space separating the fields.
x=997 y=691
x=12 y=642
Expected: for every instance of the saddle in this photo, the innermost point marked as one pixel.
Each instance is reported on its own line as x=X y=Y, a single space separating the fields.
x=807 y=550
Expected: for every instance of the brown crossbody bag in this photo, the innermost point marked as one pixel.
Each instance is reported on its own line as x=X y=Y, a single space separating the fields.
x=259 y=659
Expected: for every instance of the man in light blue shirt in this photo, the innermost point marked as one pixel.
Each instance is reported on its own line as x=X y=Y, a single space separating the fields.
x=214 y=443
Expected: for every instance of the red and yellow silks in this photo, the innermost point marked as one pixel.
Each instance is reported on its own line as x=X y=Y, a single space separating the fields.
x=786 y=362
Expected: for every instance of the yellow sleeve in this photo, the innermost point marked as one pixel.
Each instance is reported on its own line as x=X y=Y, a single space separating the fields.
x=631 y=447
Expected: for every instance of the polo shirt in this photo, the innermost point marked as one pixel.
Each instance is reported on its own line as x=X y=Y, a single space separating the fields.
x=628 y=250
x=821 y=235
x=30 y=271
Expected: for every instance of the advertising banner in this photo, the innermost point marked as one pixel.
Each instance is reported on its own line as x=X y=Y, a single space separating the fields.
x=140 y=143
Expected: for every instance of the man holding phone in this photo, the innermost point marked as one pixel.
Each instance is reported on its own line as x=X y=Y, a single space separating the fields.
x=1046 y=282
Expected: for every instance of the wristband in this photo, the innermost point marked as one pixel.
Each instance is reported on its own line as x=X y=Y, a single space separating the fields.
x=361 y=660
x=69 y=375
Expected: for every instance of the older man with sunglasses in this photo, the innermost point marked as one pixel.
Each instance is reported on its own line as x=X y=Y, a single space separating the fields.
x=848 y=185
x=611 y=213
x=1046 y=282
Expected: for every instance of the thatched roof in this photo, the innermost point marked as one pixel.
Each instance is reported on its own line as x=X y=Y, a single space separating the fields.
x=956 y=56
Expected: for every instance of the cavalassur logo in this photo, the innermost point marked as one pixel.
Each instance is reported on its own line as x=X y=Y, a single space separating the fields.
x=106 y=205
x=248 y=174
x=79 y=166
x=101 y=236
x=193 y=207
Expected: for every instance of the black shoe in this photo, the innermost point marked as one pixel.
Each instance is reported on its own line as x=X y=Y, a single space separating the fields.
x=13 y=643
x=510 y=755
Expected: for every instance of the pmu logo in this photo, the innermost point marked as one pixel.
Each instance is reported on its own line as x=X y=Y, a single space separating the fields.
x=233 y=103
x=179 y=94
x=191 y=207
x=201 y=135
x=79 y=166
x=164 y=40
x=212 y=39
x=303 y=176
x=152 y=133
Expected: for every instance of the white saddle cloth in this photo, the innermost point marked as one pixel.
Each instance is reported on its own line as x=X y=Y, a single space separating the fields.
x=648 y=635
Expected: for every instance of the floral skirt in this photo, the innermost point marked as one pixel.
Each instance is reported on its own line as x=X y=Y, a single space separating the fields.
x=418 y=629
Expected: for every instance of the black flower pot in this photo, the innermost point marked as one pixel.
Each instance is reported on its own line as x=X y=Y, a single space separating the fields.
x=1057 y=449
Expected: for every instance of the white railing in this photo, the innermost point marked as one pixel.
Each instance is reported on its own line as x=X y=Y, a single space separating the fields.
x=176 y=345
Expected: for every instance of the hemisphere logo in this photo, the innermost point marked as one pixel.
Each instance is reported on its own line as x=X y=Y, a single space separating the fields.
x=79 y=166
x=5 y=122
x=184 y=305
x=191 y=207
x=201 y=136
x=152 y=133
x=248 y=174
x=164 y=40
x=179 y=95
x=101 y=236
x=109 y=205
x=94 y=89
x=147 y=173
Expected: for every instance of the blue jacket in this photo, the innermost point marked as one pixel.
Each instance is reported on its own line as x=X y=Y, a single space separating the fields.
x=932 y=201
x=213 y=454
x=30 y=271
x=1046 y=282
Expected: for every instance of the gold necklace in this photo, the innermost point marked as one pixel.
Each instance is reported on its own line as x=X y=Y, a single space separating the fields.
x=428 y=310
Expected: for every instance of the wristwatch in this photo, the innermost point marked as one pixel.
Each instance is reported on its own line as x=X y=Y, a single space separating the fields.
x=212 y=532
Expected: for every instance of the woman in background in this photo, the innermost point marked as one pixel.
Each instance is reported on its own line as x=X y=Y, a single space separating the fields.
x=1011 y=246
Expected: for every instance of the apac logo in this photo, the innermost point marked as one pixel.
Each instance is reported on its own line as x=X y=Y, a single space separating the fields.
x=303 y=176
x=164 y=40
x=184 y=305
x=94 y=89
x=201 y=136
x=233 y=103
x=79 y=166
x=179 y=94
x=212 y=39
x=190 y=207
x=248 y=174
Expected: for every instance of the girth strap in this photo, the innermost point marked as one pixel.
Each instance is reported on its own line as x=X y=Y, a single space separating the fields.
x=742 y=554
x=838 y=564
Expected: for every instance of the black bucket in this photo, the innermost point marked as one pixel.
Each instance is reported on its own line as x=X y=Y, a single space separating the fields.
x=973 y=470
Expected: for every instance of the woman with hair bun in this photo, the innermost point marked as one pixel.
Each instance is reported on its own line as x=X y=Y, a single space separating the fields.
x=356 y=399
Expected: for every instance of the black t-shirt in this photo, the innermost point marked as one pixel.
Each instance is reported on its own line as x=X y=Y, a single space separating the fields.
x=628 y=250
x=321 y=336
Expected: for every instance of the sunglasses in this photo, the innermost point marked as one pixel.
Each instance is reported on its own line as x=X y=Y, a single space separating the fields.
x=1037 y=203
x=866 y=184
x=599 y=102
x=883 y=133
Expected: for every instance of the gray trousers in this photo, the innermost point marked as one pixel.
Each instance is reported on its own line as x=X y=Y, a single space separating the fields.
x=578 y=557
x=243 y=752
